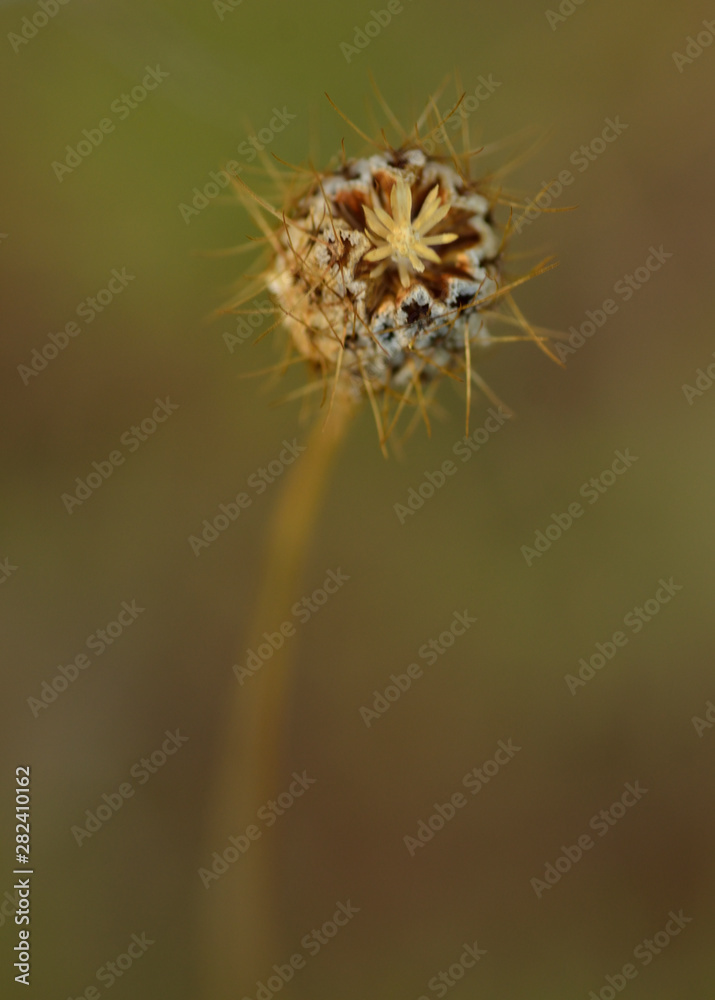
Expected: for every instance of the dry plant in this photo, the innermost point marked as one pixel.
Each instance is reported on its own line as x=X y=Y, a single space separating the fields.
x=388 y=275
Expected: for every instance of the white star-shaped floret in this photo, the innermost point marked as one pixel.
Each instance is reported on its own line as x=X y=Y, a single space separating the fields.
x=400 y=238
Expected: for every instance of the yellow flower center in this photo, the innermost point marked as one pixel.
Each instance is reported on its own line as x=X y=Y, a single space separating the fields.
x=400 y=239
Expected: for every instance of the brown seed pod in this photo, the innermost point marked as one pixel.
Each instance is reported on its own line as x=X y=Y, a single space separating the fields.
x=388 y=271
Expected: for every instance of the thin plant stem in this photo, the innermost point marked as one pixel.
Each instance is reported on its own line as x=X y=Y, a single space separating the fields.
x=239 y=926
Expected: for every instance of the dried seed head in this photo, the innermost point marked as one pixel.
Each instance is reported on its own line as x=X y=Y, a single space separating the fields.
x=386 y=263
x=388 y=271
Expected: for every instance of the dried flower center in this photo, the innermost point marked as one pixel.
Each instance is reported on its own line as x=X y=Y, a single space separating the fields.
x=402 y=240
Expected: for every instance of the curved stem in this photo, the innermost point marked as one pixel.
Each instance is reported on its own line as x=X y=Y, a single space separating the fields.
x=239 y=943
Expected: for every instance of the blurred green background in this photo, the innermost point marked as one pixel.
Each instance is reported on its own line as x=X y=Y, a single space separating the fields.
x=228 y=70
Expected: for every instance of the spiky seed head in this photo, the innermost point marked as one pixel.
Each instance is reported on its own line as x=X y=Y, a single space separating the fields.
x=387 y=263
x=388 y=270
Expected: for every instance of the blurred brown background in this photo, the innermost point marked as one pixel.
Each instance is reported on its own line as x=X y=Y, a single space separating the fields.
x=228 y=70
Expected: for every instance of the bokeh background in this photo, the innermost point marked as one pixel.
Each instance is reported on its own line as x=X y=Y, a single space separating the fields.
x=228 y=70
